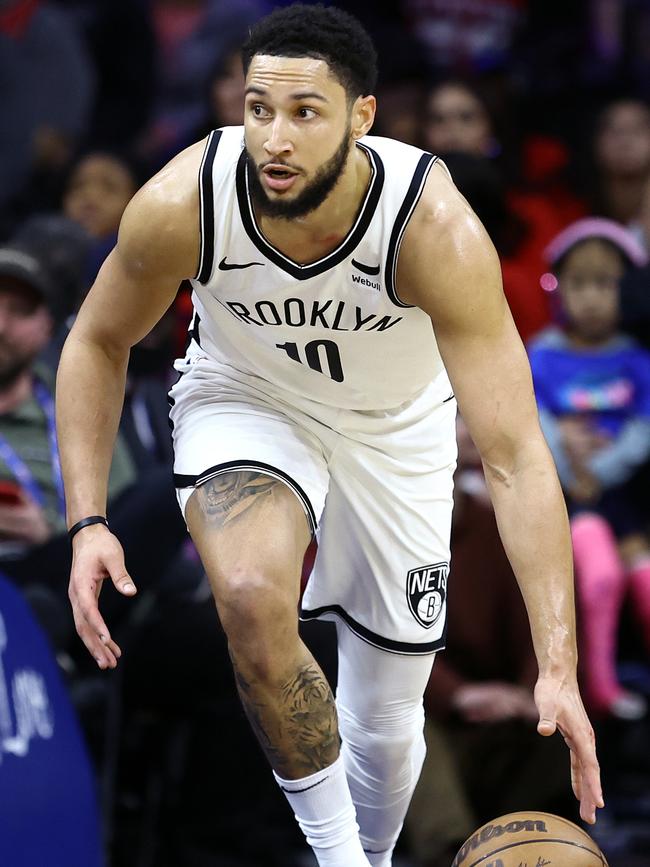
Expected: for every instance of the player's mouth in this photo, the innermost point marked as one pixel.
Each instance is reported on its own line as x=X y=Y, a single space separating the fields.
x=278 y=177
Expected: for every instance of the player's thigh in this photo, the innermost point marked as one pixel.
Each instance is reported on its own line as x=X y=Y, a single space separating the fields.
x=251 y=532
x=251 y=482
x=384 y=545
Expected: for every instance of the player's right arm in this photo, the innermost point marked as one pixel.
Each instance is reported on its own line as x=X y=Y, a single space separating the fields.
x=157 y=247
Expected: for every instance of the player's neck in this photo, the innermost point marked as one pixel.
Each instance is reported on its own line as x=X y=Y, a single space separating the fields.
x=13 y=393
x=323 y=229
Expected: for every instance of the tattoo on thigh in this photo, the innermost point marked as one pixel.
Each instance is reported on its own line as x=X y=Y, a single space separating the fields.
x=229 y=495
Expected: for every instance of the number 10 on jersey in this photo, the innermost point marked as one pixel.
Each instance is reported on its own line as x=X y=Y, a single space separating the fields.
x=315 y=353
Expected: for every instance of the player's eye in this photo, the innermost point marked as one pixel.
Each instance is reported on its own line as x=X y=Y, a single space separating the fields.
x=306 y=113
x=259 y=110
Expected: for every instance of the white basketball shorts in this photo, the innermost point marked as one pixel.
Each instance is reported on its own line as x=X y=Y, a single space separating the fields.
x=376 y=488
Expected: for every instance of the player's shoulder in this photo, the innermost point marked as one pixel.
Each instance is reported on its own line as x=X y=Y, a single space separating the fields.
x=442 y=204
x=160 y=226
x=174 y=190
x=174 y=187
x=391 y=148
x=443 y=227
x=436 y=197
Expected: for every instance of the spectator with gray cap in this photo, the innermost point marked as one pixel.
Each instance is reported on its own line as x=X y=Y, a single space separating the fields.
x=32 y=499
x=34 y=546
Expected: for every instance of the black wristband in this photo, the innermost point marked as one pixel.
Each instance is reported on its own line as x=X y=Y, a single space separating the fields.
x=86 y=522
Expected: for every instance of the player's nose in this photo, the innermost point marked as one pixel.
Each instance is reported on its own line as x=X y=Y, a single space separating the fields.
x=278 y=141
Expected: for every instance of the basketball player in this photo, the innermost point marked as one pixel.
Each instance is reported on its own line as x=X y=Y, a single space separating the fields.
x=342 y=286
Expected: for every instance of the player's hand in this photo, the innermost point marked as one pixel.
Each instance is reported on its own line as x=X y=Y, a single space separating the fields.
x=493 y=701
x=24 y=521
x=97 y=555
x=560 y=707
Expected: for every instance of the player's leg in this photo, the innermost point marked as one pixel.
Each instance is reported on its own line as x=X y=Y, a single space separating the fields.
x=381 y=719
x=251 y=532
x=382 y=569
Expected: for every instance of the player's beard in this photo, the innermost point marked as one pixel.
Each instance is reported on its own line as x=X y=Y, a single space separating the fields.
x=314 y=193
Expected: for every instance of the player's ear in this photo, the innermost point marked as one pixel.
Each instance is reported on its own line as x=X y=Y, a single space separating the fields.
x=363 y=115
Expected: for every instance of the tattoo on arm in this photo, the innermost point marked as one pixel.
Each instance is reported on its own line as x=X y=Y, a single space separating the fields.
x=229 y=495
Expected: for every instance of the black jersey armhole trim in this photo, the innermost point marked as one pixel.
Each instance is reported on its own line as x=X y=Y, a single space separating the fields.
x=187 y=481
x=352 y=240
x=404 y=214
x=206 y=208
x=192 y=335
x=402 y=647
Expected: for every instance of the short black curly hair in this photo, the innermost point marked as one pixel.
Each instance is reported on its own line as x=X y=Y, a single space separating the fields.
x=324 y=33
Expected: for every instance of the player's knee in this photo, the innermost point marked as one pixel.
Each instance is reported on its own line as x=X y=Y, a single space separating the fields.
x=390 y=741
x=378 y=755
x=252 y=602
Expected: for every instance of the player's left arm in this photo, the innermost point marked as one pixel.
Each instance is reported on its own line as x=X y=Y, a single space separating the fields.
x=448 y=267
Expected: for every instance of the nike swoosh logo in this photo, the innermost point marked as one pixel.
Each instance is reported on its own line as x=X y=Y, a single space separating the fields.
x=367 y=269
x=227 y=266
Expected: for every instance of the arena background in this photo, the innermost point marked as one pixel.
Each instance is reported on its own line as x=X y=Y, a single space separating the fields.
x=541 y=111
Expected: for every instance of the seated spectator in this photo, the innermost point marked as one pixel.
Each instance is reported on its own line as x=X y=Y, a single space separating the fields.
x=524 y=189
x=592 y=385
x=32 y=511
x=61 y=245
x=191 y=35
x=484 y=756
x=224 y=103
x=99 y=187
x=34 y=548
x=621 y=159
x=458 y=119
x=399 y=108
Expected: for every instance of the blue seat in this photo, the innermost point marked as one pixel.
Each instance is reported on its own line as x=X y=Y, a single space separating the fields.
x=48 y=802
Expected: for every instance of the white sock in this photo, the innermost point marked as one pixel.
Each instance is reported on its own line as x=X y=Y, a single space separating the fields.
x=323 y=807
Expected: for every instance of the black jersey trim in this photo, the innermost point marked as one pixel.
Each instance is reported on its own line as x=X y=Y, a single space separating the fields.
x=186 y=481
x=404 y=214
x=206 y=207
x=192 y=334
x=401 y=647
x=345 y=248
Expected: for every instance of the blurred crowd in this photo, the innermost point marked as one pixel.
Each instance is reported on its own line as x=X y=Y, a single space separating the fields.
x=541 y=111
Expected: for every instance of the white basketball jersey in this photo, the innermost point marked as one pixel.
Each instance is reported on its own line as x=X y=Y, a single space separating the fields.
x=333 y=331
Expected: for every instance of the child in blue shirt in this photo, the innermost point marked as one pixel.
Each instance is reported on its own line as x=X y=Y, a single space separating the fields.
x=592 y=385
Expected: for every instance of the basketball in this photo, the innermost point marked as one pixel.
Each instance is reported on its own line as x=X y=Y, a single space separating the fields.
x=529 y=839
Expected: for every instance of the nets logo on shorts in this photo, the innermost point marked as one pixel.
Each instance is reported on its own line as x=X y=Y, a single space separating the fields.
x=426 y=589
